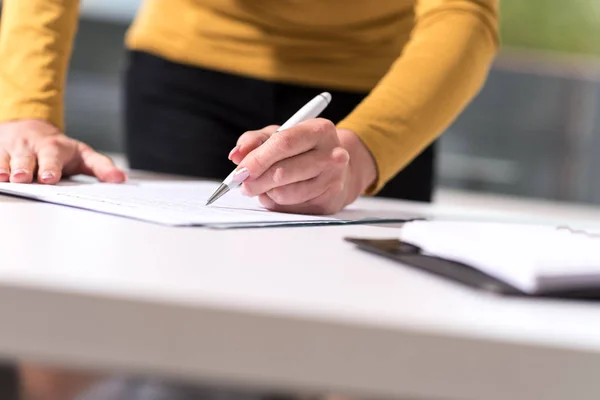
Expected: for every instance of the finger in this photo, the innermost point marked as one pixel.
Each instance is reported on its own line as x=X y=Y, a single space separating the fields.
x=4 y=166
x=330 y=179
x=99 y=165
x=304 y=196
x=287 y=143
x=250 y=141
x=22 y=163
x=295 y=169
x=301 y=192
x=324 y=204
x=51 y=157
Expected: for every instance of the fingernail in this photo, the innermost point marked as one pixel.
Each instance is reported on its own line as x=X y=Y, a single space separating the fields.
x=47 y=175
x=241 y=175
x=3 y=172
x=243 y=191
x=233 y=151
x=19 y=172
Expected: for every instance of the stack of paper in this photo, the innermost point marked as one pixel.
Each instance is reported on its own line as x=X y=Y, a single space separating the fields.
x=177 y=203
x=532 y=258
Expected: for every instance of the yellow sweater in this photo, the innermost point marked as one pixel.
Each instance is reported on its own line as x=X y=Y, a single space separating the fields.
x=422 y=60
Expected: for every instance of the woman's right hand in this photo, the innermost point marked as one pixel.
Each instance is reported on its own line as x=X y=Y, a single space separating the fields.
x=34 y=149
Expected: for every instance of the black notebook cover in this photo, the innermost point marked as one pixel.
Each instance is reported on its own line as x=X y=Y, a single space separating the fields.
x=411 y=255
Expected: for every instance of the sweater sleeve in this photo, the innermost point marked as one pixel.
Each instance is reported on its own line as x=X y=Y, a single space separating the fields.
x=36 y=40
x=441 y=69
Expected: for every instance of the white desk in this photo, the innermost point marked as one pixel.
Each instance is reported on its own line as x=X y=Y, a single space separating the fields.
x=282 y=308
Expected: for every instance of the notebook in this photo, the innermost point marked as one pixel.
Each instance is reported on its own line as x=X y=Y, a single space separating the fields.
x=175 y=203
x=502 y=257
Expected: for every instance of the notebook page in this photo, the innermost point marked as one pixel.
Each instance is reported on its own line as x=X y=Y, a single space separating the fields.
x=171 y=203
x=574 y=260
x=477 y=245
x=529 y=257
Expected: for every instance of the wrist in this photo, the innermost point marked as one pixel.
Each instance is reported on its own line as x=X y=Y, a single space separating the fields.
x=40 y=126
x=362 y=167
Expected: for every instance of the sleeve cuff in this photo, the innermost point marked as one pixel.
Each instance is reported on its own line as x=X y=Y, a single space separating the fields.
x=11 y=110
x=372 y=146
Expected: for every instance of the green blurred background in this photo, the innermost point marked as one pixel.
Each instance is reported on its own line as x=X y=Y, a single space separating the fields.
x=571 y=26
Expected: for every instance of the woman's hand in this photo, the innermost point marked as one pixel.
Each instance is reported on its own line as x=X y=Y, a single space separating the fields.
x=30 y=148
x=311 y=168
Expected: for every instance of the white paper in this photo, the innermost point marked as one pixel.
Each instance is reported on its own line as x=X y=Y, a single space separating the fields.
x=164 y=202
x=179 y=203
x=529 y=257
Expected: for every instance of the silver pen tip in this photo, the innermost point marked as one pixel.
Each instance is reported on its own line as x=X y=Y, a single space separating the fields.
x=221 y=190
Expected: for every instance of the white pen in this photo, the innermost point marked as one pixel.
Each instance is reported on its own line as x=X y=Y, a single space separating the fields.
x=312 y=109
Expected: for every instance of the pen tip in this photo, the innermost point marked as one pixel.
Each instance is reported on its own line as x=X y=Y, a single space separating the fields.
x=217 y=194
x=211 y=200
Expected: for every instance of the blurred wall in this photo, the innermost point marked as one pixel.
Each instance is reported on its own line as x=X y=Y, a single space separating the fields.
x=532 y=131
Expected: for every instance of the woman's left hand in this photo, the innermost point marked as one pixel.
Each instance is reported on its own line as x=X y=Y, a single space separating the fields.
x=311 y=168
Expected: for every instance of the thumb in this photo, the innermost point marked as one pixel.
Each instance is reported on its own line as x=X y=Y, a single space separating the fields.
x=250 y=141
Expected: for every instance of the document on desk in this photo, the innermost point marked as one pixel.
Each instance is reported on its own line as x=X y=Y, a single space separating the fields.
x=499 y=257
x=176 y=203
x=532 y=258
